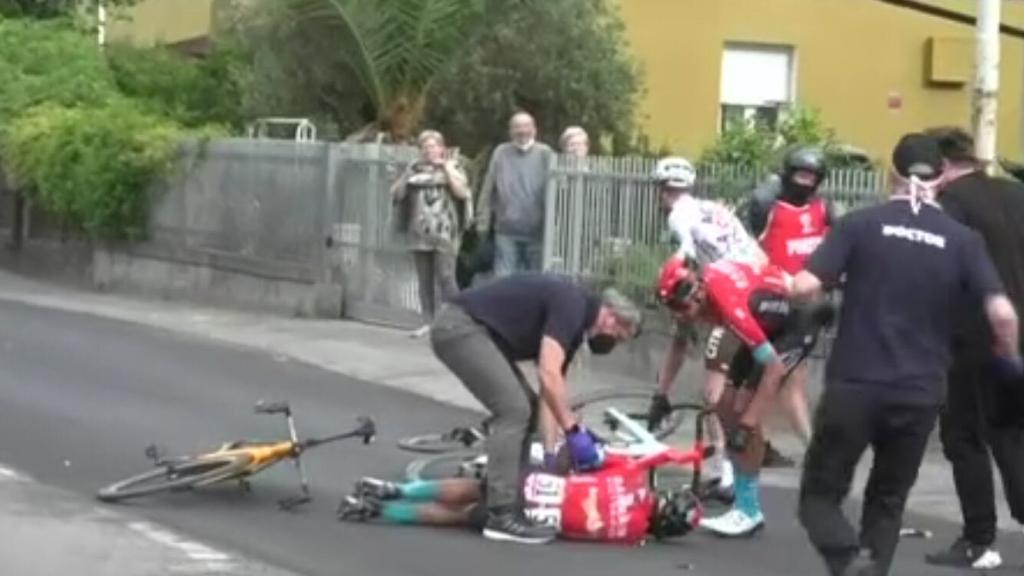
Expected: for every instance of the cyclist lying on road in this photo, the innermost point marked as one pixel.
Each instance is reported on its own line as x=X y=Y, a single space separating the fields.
x=613 y=504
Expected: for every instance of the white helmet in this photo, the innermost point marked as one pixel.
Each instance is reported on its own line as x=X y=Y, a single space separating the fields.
x=675 y=172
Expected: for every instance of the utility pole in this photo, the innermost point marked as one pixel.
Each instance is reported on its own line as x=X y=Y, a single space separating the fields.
x=986 y=82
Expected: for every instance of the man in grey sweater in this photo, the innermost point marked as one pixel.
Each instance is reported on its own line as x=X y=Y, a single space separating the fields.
x=513 y=197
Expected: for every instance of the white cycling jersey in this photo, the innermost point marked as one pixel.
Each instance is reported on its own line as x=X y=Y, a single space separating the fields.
x=707 y=231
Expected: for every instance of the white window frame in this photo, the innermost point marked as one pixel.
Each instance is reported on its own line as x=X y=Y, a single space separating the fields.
x=750 y=109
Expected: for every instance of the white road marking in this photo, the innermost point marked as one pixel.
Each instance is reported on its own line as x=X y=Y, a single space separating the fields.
x=11 y=474
x=212 y=559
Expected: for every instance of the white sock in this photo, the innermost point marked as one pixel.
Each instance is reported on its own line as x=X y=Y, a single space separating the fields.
x=726 y=476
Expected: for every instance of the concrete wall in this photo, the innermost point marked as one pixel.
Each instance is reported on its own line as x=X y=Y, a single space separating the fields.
x=850 y=56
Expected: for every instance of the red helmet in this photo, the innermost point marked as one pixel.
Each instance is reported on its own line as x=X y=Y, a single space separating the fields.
x=677 y=283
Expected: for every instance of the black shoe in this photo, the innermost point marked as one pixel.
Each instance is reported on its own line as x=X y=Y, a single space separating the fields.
x=713 y=490
x=379 y=489
x=775 y=459
x=357 y=508
x=861 y=565
x=963 y=554
x=509 y=527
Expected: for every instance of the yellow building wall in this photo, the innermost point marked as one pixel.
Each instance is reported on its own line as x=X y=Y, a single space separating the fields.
x=850 y=55
x=162 y=22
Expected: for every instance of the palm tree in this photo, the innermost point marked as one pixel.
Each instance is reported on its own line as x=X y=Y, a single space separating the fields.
x=393 y=48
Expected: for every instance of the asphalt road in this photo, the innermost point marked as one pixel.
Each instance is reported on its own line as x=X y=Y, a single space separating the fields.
x=81 y=396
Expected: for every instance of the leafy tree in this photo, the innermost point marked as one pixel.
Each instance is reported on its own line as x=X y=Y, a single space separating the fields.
x=193 y=91
x=567 y=62
x=393 y=49
x=54 y=8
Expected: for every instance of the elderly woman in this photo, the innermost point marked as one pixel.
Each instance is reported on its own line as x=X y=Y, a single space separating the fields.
x=433 y=199
x=575 y=142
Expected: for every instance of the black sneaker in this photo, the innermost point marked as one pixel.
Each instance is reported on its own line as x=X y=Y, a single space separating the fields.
x=379 y=489
x=963 y=554
x=862 y=565
x=510 y=527
x=775 y=459
x=714 y=490
x=358 y=509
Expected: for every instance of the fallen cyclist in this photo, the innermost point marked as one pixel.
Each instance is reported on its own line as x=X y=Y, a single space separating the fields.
x=613 y=504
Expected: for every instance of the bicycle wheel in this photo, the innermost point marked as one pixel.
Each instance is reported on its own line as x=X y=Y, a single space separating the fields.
x=177 y=476
x=634 y=402
x=457 y=440
x=466 y=464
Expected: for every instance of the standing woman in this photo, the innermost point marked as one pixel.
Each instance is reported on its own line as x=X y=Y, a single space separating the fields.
x=433 y=201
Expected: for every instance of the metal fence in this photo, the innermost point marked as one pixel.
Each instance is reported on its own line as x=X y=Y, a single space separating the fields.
x=604 y=224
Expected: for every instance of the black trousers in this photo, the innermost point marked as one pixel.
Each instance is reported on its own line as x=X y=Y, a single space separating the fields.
x=848 y=421
x=972 y=429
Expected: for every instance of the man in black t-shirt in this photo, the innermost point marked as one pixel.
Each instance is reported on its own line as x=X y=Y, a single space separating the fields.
x=984 y=414
x=906 y=265
x=483 y=332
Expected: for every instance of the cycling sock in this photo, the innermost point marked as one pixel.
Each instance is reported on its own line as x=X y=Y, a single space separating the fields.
x=400 y=512
x=748 y=498
x=420 y=490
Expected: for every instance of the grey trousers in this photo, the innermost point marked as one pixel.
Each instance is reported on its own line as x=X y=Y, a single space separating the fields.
x=434 y=269
x=466 y=348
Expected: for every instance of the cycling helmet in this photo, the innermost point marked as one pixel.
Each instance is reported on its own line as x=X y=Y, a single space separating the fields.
x=677 y=283
x=675 y=514
x=809 y=158
x=675 y=172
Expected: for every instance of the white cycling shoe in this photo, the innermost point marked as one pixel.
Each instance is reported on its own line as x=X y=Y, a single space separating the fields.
x=734 y=524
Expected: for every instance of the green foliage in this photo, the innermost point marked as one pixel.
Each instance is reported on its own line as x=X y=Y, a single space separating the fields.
x=43 y=9
x=632 y=269
x=194 y=92
x=567 y=62
x=49 y=62
x=754 y=144
x=93 y=167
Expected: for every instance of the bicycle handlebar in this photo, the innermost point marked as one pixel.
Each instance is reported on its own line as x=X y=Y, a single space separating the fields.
x=367 y=430
x=263 y=407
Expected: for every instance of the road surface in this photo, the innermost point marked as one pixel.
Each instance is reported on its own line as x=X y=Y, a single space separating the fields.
x=80 y=396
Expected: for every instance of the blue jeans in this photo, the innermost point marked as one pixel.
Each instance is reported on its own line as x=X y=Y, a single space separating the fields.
x=515 y=254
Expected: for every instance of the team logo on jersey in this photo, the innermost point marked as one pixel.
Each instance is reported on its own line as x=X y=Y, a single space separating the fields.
x=590 y=510
x=802 y=246
x=806 y=223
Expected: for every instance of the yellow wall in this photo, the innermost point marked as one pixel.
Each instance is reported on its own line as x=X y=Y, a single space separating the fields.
x=850 y=55
x=162 y=21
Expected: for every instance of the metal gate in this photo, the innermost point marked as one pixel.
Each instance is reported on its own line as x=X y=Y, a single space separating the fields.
x=374 y=265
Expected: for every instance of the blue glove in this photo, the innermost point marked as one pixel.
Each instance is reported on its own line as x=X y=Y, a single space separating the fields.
x=586 y=452
x=1008 y=368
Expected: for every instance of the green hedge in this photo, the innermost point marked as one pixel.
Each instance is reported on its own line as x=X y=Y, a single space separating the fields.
x=93 y=166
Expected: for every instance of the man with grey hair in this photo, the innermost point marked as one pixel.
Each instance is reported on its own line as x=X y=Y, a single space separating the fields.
x=483 y=332
x=512 y=198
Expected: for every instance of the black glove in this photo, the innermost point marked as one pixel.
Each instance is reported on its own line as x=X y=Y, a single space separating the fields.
x=659 y=410
x=739 y=438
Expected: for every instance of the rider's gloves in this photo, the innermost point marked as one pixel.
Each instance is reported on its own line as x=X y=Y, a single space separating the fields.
x=659 y=410
x=739 y=438
x=584 y=449
x=1008 y=367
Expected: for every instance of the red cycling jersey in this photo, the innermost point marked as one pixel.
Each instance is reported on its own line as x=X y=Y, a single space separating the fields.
x=746 y=299
x=613 y=504
x=793 y=232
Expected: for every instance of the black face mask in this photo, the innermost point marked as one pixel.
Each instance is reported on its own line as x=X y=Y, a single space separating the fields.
x=797 y=194
x=601 y=343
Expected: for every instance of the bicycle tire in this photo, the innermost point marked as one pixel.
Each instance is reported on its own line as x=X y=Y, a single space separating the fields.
x=439 y=443
x=668 y=426
x=442 y=466
x=187 y=474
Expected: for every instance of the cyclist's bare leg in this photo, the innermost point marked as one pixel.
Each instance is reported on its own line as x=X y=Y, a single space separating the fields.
x=435 y=514
x=794 y=402
x=714 y=388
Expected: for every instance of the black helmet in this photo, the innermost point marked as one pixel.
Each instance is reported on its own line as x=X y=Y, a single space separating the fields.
x=810 y=159
x=675 y=514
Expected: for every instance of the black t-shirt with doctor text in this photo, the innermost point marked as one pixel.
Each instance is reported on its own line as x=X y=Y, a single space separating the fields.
x=905 y=276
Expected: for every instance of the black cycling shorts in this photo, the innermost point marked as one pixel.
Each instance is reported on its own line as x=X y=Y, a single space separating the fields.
x=793 y=342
